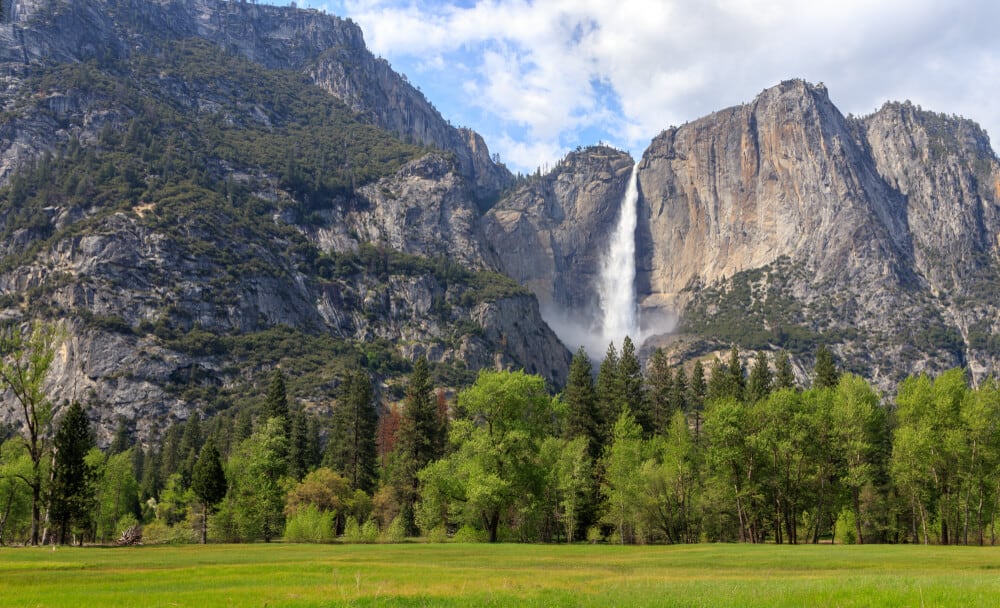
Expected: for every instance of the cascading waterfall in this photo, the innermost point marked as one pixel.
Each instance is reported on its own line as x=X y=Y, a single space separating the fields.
x=617 y=288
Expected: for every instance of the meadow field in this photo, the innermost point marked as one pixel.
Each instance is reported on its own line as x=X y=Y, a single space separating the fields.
x=500 y=575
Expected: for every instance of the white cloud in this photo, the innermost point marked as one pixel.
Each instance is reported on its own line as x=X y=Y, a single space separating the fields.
x=534 y=75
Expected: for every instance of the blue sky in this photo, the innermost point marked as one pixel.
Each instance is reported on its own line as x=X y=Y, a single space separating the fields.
x=538 y=79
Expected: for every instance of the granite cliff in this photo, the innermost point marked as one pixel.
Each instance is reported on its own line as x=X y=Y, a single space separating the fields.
x=197 y=191
x=782 y=223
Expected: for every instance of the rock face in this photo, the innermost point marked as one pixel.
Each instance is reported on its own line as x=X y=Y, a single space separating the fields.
x=783 y=224
x=183 y=261
x=877 y=234
x=781 y=176
x=330 y=50
x=552 y=232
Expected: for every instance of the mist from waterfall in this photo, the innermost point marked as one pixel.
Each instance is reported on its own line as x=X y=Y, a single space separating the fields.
x=617 y=286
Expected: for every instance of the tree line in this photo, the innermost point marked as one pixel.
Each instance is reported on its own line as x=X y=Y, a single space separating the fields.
x=669 y=452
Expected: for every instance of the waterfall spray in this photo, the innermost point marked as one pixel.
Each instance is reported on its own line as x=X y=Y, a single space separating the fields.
x=617 y=288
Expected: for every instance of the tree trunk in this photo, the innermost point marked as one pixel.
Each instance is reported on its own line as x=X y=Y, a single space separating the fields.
x=6 y=513
x=856 y=499
x=36 y=512
x=204 y=523
x=492 y=522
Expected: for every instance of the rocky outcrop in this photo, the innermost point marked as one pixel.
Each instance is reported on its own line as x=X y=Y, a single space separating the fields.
x=424 y=209
x=881 y=232
x=330 y=50
x=179 y=284
x=552 y=232
x=781 y=176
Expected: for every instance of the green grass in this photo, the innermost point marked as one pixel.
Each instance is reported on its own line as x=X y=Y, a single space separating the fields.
x=502 y=575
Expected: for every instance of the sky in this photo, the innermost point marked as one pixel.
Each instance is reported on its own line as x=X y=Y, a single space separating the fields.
x=539 y=78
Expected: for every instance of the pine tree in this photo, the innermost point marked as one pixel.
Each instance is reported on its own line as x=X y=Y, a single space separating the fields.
x=630 y=386
x=679 y=392
x=122 y=439
x=825 y=372
x=760 y=383
x=608 y=407
x=659 y=388
x=208 y=482
x=298 y=446
x=580 y=400
x=276 y=402
x=418 y=441
x=351 y=450
x=784 y=377
x=72 y=492
x=737 y=376
x=189 y=447
x=697 y=390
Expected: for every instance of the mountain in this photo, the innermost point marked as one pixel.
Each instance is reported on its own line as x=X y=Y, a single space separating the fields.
x=783 y=224
x=200 y=190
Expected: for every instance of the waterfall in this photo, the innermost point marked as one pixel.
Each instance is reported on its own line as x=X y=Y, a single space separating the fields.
x=617 y=288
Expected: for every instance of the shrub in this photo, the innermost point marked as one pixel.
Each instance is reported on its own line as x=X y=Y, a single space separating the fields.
x=395 y=533
x=594 y=535
x=159 y=533
x=845 y=531
x=358 y=533
x=468 y=534
x=438 y=534
x=310 y=525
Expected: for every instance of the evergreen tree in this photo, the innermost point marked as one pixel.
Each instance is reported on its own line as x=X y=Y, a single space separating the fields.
x=737 y=377
x=189 y=447
x=580 y=400
x=697 y=390
x=760 y=383
x=351 y=450
x=242 y=428
x=825 y=374
x=630 y=386
x=608 y=407
x=72 y=492
x=720 y=383
x=208 y=482
x=169 y=453
x=659 y=390
x=298 y=446
x=784 y=377
x=276 y=402
x=151 y=483
x=122 y=439
x=418 y=441
x=679 y=392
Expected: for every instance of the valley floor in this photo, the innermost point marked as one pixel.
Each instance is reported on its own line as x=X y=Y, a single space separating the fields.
x=501 y=575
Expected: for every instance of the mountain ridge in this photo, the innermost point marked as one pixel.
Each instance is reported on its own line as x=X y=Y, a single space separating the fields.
x=249 y=187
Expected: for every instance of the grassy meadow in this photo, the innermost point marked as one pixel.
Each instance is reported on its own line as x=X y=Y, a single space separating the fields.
x=500 y=575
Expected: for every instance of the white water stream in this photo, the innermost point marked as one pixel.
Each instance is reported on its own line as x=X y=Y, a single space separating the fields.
x=617 y=287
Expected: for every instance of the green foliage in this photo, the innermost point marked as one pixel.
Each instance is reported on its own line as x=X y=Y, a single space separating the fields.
x=72 y=491
x=351 y=447
x=25 y=357
x=257 y=483
x=116 y=496
x=622 y=486
x=754 y=309
x=366 y=533
x=420 y=439
x=208 y=482
x=493 y=467
x=579 y=401
x=825 y=372
x=310 y=525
